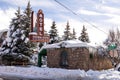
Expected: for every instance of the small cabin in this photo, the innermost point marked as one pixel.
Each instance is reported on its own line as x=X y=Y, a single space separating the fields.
x=74 y=54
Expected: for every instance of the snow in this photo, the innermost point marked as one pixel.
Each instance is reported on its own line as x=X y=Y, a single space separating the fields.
x=55 y=45
x=9 y=39
x=14 y=34
x=69 y=43
x=58 y=73
x=32 y=33
x=22 y=37
x=18 y=30
x=22 y=31
x=26 y=40
x=4 y=42
x=12 y=27
x=6 y=51
x=117 y=67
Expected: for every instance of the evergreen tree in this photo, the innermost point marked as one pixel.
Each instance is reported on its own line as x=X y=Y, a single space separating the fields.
x=16 y=47
x=67 y=35
x=74 y=34
x=27 y=16
x=53 y=33
x=46 y=33
x=84 y=36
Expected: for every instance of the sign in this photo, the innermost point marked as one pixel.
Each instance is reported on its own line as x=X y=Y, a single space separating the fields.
x=37 y=38
x=112 y=46
x=39 y=34
x=40 y=23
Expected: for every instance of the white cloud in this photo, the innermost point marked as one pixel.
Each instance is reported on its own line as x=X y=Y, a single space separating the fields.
x=113 y=19
x=112 y=1
x=5 y=17
x=43 y=3
x=34 y=3
x=97 y=35
x=47 y=24
x=88 y=12
x=109 y=9
x=110 y=12
x=16 y=2
x=113 y=14
x=103 y=1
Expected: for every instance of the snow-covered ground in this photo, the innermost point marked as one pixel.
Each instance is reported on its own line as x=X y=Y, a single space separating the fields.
x=58 y=74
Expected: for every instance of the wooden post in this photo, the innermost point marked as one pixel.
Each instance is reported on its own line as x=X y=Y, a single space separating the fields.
x=32 y=21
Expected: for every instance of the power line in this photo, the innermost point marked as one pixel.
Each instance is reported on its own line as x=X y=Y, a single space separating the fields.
x=79 y=16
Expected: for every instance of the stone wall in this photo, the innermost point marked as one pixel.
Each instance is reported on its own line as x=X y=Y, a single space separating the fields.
x=77 y=58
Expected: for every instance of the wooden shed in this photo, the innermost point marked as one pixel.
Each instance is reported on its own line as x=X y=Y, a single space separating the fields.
x=74 y=54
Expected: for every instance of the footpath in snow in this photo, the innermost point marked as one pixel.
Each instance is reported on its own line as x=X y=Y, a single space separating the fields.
x=58 y=74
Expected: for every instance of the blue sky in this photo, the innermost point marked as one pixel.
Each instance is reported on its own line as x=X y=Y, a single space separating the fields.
x=104 y=14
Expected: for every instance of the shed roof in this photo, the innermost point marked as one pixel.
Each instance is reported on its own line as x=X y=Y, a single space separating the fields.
x=68 y=44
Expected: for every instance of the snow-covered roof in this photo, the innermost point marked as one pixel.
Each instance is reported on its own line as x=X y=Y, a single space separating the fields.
x=68 y=44
x=32 y=33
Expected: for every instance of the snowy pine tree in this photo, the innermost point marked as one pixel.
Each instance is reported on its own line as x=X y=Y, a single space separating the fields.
x=15 y=47
x=84 y=36
x=74 y=34
x=67 y=34
x=53 y=34
x=27 y=16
